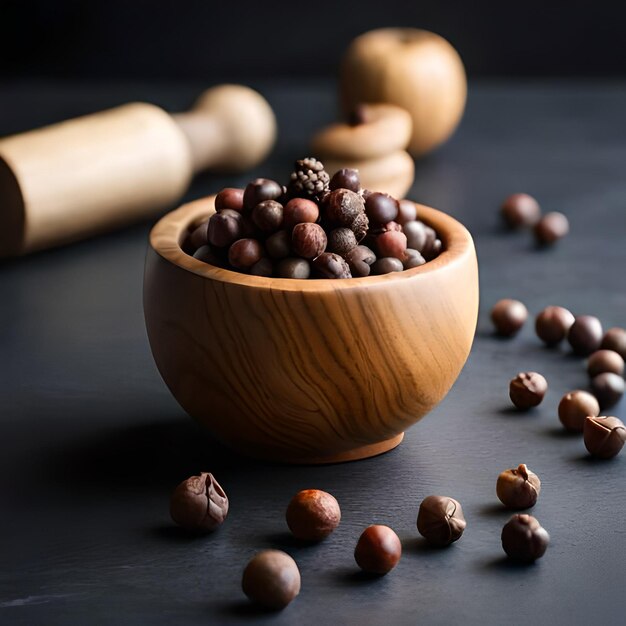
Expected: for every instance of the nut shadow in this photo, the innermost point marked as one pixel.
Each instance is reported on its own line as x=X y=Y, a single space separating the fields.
x=495 y=510
x=245 y=609
x=175 y=534
x=354 y=577
x=557 y=432
x=286 y=541
x=504 y=564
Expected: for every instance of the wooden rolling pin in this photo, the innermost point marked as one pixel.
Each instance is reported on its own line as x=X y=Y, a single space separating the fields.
x=73 y=179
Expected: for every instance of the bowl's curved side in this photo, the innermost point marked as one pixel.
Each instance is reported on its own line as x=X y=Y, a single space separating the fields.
x=302 y=374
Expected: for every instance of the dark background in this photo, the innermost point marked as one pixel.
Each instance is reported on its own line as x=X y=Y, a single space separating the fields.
x=238 y=40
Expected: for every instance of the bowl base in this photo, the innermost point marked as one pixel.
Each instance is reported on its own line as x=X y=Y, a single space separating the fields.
x=355 y=454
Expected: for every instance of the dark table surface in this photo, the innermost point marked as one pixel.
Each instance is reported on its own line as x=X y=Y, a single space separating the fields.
x=92 y=442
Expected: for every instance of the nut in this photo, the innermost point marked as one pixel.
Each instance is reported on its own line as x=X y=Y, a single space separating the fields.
x=308 y=240
x=199 y=504
x=604 y=436
x=378 y=550
x=527 y=390
x=313 y=514
x=271 y=579
x=518 y=488
x=524 y=539
x=440 y=520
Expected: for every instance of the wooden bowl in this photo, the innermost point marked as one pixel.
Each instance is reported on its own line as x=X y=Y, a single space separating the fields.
x=308 y=371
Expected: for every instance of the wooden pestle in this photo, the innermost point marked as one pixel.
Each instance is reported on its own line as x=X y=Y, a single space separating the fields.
x=71 y=180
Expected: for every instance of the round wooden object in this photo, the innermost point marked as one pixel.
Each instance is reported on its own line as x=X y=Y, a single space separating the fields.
x=385 y=129
x=308 y=371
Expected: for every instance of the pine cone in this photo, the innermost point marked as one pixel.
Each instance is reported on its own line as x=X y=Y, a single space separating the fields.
x=309 y=179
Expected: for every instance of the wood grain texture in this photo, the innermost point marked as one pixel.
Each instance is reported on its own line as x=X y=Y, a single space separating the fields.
x=308 y=370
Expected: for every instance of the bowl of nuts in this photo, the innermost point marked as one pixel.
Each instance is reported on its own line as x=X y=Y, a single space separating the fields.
x=310 y=323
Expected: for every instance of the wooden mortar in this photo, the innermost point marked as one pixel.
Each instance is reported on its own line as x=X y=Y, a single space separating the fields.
x=308 y=371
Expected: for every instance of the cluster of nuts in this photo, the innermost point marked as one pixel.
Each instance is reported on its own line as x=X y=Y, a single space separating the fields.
x=605 y=351
x=272 y=578
x=315 y=227
x=579 y=410
x=522 y=211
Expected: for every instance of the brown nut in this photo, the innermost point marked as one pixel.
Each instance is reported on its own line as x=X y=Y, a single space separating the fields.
x=604 y=436
x=224 y=228
x=313 y=514
x=524 y=539
x=378 y=550
x=268 y=216
x=341 y=241
x=308 y=240
x=527 y=390
x=575 y=406
x=440 y=520
x=604 y=360
x=199 y=504
x=518 y=488
x=343 y=206
x=360 y=260
x=271 y=579
x=331 y=265
x=508 y=316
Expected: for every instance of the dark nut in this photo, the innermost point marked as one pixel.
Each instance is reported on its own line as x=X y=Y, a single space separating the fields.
x=199 y=235
x=381 y=208
x=415 y=235
x=524 y=539
x=341 y=241
x=440 y=520
x=359 y=260
x=278 y=245
x=224 y=228
x=604 y=436
x=585 y=334
x=244 y=253
x=206 y=255
x=413 y=259
x=433 y=246
x=553 y=324
x=407 y=211
x=386 y=265
x=608 y=388
x=550 y=228
x=268 y=216
x=229 y=198
x=392 y=244
x=527 y=390
x=300 y=210
x=343 y=206
x=331 y=265
x=508 y=316
x=259 y=190
x=378 y=550
x=308 y=240
x=605 y=361
x=575 y=406
x=199 y=504
x=271 y=579
x=345 y=179
x=520 y=210
x=263 y=267
x=518 y=488
x=293 y=268
x=313 y=514
x=615 y=339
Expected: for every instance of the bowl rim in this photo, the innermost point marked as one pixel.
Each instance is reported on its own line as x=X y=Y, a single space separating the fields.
x=168 y=233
